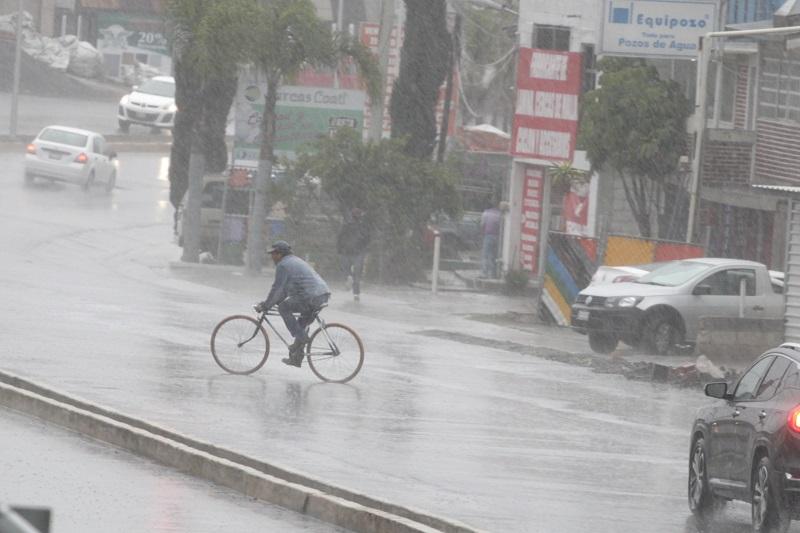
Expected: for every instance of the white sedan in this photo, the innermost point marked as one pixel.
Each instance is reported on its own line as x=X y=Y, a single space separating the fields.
x=152 y=104
x=60 y=153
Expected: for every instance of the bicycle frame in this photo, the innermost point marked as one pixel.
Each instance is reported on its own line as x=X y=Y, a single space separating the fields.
x=263 y=318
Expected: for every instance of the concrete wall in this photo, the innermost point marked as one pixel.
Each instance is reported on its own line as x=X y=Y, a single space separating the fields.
x=736 y=342
x=582 y=16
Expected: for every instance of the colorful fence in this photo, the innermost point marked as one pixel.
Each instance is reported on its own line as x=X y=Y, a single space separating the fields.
x=572 y=260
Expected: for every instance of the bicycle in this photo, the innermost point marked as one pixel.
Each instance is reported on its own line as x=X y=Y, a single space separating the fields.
x=240 y=345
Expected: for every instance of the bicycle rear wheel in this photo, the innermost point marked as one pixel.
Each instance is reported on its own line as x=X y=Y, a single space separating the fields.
x=335 y=354
x=240 y=344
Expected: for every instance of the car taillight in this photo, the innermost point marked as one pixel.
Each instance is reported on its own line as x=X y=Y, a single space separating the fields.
x=794 y=419
x=31 y=148
x=82 y=158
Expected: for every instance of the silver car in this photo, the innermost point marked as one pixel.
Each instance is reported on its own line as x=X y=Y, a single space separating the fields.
x=662 y=308
x=82 y=157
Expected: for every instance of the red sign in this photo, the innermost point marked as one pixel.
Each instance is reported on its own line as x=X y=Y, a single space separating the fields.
x=531 y=220
x=546 y=116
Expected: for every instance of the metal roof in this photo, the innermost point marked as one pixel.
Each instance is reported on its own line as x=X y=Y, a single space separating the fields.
x=780 y=188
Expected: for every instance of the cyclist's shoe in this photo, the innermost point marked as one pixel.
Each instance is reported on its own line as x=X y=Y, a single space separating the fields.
x=293 y=360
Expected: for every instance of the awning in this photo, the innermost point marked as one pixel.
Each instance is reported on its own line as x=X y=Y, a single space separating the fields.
x=790 y=189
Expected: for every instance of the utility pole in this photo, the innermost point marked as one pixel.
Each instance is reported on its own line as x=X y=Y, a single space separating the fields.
x=384 y=36
x=12 y=125
x=455 y=54
x=340 y=29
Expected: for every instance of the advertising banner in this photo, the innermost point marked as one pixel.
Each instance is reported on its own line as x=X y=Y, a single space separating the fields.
x=531 y=220
x=546 y=116
x=126 y=39
x=303 y=115
x=656 y=28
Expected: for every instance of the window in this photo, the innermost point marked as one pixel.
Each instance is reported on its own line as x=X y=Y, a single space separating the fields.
x=779 y=90
x=551 y=37
x=727 y=96
x=727 y=282
x=674 y=273
x=769 y=384
x=64 y=137
x=792 y=379
x=746 y=388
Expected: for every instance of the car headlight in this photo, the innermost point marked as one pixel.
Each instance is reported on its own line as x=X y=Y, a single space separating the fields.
x=123 y=100
x=623 y=301
x=172 y=108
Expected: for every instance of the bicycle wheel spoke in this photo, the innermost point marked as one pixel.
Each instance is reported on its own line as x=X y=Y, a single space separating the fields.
x=335 y=354
x=226 y=349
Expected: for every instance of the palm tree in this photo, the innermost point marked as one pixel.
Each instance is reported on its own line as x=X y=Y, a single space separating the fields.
x=287 y=36
x=205 y=53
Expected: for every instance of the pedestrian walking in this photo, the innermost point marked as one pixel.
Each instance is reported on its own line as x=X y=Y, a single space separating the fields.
x=491 y=221
x=351 y=245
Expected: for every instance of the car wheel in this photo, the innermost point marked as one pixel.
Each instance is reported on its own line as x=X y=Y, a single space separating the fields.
x=768 y=509
x=89 y=181
x=124 y=126
x=602 y=342
x=702 y=502
x=662 y=334
x=112 y=180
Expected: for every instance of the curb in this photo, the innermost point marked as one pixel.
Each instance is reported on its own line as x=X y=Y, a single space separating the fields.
x=256 y=479
x=130 y=145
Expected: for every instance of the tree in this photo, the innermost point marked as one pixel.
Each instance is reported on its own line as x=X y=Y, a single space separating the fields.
x=286 y=36
x=424 y=61
x=399 y=193
x=635 y=124
x=205 y=55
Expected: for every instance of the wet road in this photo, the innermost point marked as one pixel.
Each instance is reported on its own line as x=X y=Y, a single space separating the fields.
x=94 y=488
x=502 y=441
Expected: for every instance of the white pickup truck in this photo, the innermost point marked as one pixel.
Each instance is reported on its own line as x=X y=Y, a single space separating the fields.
x=661 y=309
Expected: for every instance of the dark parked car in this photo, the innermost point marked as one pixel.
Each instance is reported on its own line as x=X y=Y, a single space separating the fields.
x=747 y=445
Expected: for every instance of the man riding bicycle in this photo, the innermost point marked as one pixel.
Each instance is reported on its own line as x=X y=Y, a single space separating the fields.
x=297 y=289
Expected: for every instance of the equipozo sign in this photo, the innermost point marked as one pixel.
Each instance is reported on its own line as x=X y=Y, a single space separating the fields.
x=656 y=28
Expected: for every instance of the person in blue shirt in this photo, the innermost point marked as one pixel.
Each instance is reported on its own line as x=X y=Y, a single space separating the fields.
x=297 y=289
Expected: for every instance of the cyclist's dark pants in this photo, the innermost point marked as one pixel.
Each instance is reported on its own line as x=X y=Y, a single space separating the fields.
x=306 y=308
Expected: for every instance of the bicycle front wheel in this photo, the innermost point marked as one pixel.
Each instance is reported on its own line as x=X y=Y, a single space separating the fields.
x=335 y=353
x=240 y=344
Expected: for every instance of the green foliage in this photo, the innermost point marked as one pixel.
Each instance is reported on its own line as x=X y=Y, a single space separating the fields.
x=398 y=193
x=635 y=123
x=424 y=61
x=203 y=35
x=285 y=36
x=563 y=173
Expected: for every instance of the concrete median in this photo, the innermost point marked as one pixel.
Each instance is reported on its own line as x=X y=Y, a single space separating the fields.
x=251 y=477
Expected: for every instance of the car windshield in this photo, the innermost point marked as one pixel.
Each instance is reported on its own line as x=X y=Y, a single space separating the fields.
x=158 y=88
x=674 y=274
x=70 y=138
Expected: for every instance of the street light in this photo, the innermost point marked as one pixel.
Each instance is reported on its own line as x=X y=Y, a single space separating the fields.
x=12 y=123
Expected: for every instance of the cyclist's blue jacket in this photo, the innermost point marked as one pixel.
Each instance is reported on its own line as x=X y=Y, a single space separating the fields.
x=294 y=278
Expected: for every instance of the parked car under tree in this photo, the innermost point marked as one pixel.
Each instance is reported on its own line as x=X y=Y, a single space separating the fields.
x=661 y=309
